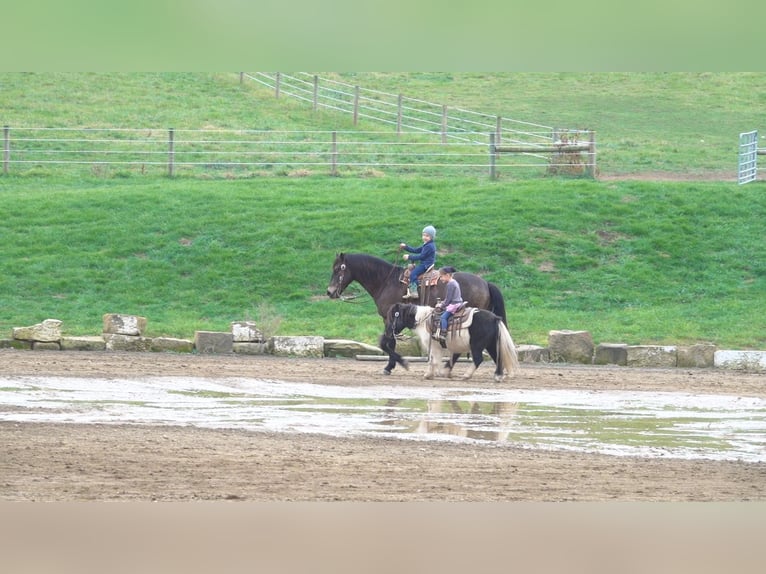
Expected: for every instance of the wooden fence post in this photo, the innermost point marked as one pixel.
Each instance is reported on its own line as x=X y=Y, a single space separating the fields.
x=492 y=157
x=590 y=168
x=444 y=124
x=499 y=131
x=171 y=152
x=276 y=84
x=316 y=91
x=399 y=116
x=356 y=105
x=334 y=155
x=6 y=148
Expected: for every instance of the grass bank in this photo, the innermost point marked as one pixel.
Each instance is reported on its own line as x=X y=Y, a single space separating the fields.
x=633 y=262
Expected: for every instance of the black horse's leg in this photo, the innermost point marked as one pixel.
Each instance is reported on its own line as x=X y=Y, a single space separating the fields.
x=388 y=345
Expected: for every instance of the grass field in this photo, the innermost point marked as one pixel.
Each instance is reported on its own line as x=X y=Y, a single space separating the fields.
x=630 y=260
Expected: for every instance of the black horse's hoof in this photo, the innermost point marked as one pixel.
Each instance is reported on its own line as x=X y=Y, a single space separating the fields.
x=386 y=372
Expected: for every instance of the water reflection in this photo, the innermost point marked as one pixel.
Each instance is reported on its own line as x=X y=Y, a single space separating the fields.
x=649 y=424
x=434 y=421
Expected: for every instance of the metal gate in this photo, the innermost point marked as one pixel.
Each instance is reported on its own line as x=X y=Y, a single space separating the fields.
x=748 y=157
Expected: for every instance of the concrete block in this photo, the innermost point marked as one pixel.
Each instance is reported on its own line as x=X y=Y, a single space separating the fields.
x=570 y=346
x=83 y=344
x=611 y=354
x=126 y=343
x=47 y=331
x=297 y=346
x=213 y=342
x=652 y=356
x=701 y=356
x=246 y=332
x=252 y=348
x=171 y=345
x=116 y=324
x=741 y=360
x=532 y=354
x=45 y=346
x=348 y=348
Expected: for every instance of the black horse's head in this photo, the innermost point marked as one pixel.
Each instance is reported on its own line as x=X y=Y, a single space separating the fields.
x=341 y=277
x=400 y=316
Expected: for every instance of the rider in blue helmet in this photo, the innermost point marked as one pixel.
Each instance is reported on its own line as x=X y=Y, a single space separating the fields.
x=425 y=255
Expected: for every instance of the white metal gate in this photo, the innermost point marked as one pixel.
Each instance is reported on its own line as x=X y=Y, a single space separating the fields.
x=748 y=157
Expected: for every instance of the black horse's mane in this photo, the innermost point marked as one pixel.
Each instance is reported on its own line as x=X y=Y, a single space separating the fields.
x=372 y=264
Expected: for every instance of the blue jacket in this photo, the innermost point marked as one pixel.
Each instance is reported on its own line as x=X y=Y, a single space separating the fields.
x=426 y=253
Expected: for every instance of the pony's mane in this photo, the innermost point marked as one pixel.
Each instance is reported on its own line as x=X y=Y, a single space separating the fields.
x=422 y=312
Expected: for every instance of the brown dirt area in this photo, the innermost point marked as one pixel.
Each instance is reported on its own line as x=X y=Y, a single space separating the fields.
x=68 y=462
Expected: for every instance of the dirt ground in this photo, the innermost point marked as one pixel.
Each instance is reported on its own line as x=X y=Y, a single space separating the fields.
x=63 y=462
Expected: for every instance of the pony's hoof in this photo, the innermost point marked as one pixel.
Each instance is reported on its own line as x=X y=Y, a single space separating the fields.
x=406 y=365
x=386 y=372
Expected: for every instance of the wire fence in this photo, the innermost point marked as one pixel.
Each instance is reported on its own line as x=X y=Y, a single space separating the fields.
x=244 y=153
x=403 y=113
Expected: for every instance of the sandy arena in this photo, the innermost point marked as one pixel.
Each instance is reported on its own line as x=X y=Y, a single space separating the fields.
x=69 y=462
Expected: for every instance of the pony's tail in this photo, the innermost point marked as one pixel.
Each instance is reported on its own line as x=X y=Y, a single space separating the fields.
x=496 y=302
x=506 y=350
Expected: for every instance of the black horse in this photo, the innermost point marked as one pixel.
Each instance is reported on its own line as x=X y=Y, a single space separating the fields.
x=381 y=280
x=483 y=331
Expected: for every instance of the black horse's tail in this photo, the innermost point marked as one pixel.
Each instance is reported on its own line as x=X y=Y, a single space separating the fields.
x=497 y=303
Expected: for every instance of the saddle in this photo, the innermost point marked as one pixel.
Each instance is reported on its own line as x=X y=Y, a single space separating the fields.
x=428 y=278
x=461 y=319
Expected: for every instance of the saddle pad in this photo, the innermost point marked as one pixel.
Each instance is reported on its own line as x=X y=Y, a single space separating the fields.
x=460 y=320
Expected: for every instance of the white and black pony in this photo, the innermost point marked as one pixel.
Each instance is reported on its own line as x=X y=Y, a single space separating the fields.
x=483 y=331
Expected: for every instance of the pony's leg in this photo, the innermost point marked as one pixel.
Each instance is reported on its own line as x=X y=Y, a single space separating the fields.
x=388 y=345
x=477 y=358
x=448 y=365
x=435 y=358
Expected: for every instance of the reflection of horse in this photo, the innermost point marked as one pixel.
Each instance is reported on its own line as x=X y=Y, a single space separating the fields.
x=485 y=332
x=381 y=280
x=454 y=417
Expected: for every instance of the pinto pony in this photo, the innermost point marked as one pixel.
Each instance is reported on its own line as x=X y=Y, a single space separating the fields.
x=483 y=331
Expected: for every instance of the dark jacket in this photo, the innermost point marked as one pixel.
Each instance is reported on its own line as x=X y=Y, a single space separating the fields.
x=426 y=253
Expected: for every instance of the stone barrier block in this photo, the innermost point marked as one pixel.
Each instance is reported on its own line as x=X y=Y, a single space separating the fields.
x=213 y=342
x=611 y=354
x=45 y=332
x=532 y=354
x=297 y=346
x=45 y=346
x=700 y=356
x=15 y=344
x=83 y=344
x=348 y=348
x=570 y=346
x=252 y=348
x=116 y=324
x=741 y=360
x=652 y=356
x=171 y=345
x=246 y=332
x=126 y=343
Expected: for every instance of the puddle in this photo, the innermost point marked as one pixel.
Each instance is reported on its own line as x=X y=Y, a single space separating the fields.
x=649 y=424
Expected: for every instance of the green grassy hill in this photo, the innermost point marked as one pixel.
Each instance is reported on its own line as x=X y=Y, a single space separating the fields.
x=630 y=261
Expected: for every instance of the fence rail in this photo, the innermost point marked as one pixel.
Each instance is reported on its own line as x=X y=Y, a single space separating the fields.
x=228 y=153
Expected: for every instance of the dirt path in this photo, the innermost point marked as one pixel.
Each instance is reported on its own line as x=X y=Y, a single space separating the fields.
x=54 y=462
